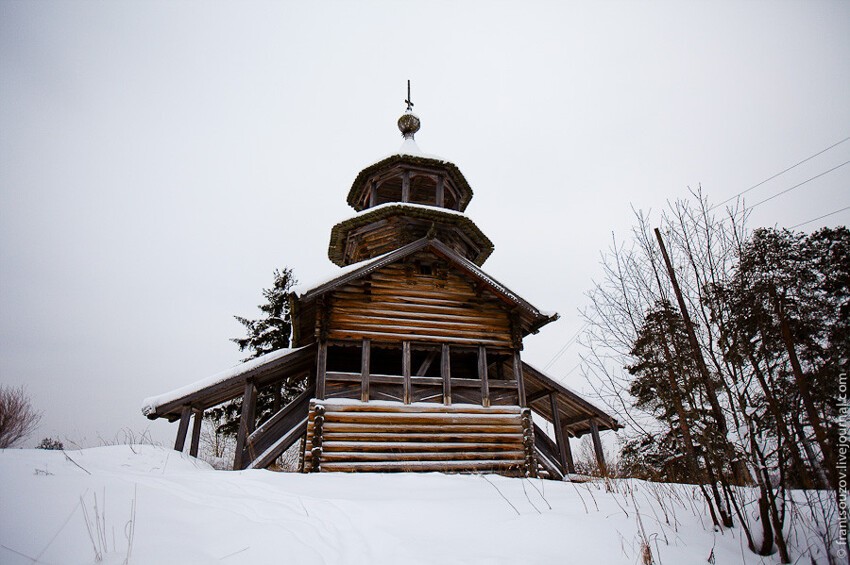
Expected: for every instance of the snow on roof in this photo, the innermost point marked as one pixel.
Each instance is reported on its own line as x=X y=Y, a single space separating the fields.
x=150 y=404
x=411 y=148
x=303 y=288
x=562 y=385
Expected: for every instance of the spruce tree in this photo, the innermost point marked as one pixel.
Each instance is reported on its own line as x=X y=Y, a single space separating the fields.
x=270 y=332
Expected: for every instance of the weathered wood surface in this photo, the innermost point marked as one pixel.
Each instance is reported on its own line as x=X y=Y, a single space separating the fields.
x=400 y=305
x=416 y=437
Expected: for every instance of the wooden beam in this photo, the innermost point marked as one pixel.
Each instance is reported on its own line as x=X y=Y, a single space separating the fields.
x=559 y=431
x=405 y=186
x=426 y=364
x=321 y=369
x=373 y=195
x=441 y=193
x=246 y=422
x=183 y=429
x=196 y=432
x=520 y=384
x=365 y=359
x=405 y=369
x=276 y=397
x=535 y=396
x=571 y=467
x=446 y=373
x=482 y=374
x=597 y=446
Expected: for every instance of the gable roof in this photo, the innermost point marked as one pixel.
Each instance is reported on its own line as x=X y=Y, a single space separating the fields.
x=537 y=318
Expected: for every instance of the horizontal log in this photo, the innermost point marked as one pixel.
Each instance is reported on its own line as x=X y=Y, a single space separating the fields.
x=423 y=418
x=419 y=409
x=421 y=446
x=382 y=457
x=395 y=336
x=422 y=466
x=413 y=437
x=471 y=428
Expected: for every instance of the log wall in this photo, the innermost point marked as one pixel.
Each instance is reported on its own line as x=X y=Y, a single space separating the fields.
x=400 y=302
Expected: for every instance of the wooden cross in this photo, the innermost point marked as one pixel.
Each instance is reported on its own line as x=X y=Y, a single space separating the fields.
x=409 y=103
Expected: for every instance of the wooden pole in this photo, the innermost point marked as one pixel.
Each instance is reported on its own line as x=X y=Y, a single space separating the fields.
x=365 y=359
x=180 y=442
x=446 y=373
x=405 y=368
x=597 y=447
x=321 y=369
x=246 y=423
x=482 y=374
x=196 y=432
x=405 y=186
x=520 y=382
x=373 y=195
x=571 y=467
x=441 y=193
x=559 y=431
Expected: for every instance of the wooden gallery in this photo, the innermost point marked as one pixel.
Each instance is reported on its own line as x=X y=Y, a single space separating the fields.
x=411 y=354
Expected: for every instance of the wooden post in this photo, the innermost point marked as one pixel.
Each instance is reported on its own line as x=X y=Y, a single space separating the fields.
x=365 y=358
x=597 y=446
x=373 y=195
x=276 y=397
x=196 y=432
x=405 y=369
x=184 y=427
x=246 y=422
x=446 y=373
x=482 y=374
x=321 y=369
x=571 y=467
x=405 y=186
x=520 y=383
x=559 y=430
x=441 y=193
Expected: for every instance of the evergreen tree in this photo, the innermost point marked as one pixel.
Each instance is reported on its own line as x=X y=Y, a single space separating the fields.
x=266 y=334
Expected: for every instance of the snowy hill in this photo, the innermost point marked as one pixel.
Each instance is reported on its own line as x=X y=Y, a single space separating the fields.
x=64 y=509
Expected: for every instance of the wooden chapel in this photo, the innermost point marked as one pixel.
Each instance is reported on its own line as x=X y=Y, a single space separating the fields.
x=411 y=352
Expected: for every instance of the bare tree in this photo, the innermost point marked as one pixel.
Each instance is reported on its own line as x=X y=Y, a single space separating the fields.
x=18 y=419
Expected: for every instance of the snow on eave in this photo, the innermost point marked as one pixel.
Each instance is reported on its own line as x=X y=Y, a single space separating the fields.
x=151 y=403
x=303 y=288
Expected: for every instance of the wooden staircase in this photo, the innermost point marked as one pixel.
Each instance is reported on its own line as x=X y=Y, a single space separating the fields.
x=346 y=435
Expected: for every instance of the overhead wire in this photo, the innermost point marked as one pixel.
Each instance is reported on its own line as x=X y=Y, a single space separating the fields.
x=799 y=184
x=820 y=217
x=809 y=158
x=566 y=346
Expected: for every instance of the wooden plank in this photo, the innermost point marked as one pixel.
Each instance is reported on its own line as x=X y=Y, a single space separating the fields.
x=333 y=408
x=196 y=432
x=436 y=444
x=278 y=447
x=321 y=369
x=469 y=466
x=412 y=437
x=482 y=375
x=520 y=383
x=246 y=424
x=352 y=427
x=373 y=195
x=440 y=193
x=559 y=430
x=446 y=373
x=365 y=357
x=425 y=418
x=597 y=446
x=405 y=367
x=356 y=456
x=405 y=186
x=180 y=441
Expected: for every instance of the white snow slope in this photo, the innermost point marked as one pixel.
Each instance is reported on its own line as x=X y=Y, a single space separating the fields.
x=187 y=513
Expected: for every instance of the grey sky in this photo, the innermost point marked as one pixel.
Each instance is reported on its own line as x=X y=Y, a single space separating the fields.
x=159 y=159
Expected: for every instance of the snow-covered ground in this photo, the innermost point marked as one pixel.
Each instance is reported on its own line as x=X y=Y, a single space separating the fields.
x=64 y=508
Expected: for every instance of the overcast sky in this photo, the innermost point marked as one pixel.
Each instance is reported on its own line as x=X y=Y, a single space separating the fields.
x=158 y=160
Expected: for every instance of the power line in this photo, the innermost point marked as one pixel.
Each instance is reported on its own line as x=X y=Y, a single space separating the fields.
x=819 y=218
x=780 y=173
x=800 y=184
x=565 y=347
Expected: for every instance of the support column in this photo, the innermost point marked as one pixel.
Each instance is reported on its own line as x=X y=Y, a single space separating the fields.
x=196 y=432
x=597 y=447
x=246 y=422
x=321 y=369
x=183 y=429
x=405 y=186
x=520 y=383
x=441 y=193
x=446 y=373
x=365 y=359
x=373 y=195
x=405 y=369
x=482 y=374
x=559 y=432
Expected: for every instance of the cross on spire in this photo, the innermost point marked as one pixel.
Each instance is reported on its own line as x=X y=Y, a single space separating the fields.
x=407 y=100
